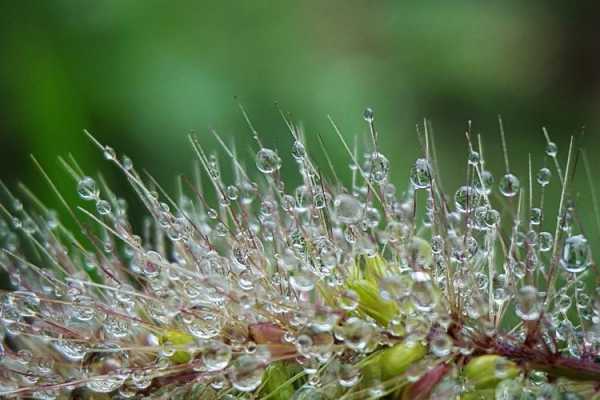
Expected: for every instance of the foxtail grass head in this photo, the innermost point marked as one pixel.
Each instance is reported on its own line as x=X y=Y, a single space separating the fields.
x=323 y=290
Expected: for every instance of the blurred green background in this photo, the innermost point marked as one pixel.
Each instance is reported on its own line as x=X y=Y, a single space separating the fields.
x=142 y=75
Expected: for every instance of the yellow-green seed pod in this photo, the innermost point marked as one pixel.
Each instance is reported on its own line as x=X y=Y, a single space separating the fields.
x=399 y=358
x=487 y=371
x=177 y=338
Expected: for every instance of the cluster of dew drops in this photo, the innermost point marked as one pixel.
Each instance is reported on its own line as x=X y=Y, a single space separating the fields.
x=199 y=295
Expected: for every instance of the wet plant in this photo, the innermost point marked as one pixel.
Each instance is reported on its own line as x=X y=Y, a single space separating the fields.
x=319 y=291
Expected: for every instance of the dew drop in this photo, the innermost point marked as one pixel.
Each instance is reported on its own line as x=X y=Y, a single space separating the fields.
x=543 y=176
x=466 y=198
x=551 y=149
x=545 y=241
x=348 y=375
x=347 y=208
x=246 y=373
x=484 y=182
x=298 y=150
x=87 y=189
x=576 y=254
x=267 y=161
x=420 y=174
x=509 y=185
x=216 y=355
x=379 y=167
x=528 y=306
x=109 y=153
x=369 y=114
x=103 y=207
x=441 y=345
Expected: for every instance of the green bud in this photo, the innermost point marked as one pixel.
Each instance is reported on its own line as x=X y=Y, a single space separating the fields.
x=399 y=358
x=487 y=371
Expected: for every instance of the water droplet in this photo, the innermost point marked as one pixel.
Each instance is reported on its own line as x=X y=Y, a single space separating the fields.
x=484 y=182
x=474 y=157
x=127 y=163
x=347 y=208
x=109 y=153
x=576 y=254
x=379 y=167
x=84 y=308
x=348 y=375
x=298 y=150
x=543 y=176
x=87 y=189
x=216 y=355
x=551 y=149
x=232 y=192
x=509 y=185
x=466 y=198
x=348 y=300
x=420 y=174
x=267 y=161
x=103 y=207
x=369 y=115
x=545 y=241
x=535 y=216
x=105 y=371
x=246 y=373
x=303 y=281
x=441 y=345
x=528 y=306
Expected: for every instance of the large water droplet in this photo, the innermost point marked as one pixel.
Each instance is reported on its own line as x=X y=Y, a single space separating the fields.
x=509 y=185
x=379 y=167
x=216 y=355
x=246 y=373
x=466 y=198
x=575 y=254
x=87 y=189
x=420 y=174
x=267 y=161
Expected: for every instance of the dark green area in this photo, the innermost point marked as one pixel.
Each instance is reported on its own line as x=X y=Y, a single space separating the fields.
x=142 y=75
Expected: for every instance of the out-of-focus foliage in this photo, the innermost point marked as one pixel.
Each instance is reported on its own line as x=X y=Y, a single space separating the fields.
x=142 y=75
